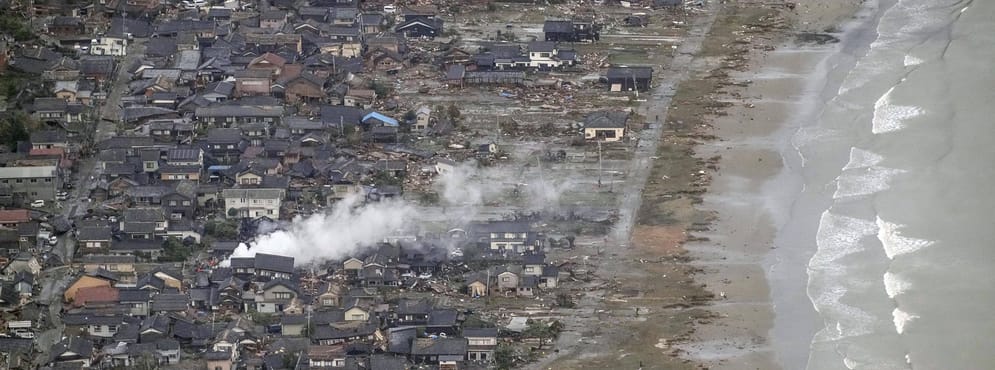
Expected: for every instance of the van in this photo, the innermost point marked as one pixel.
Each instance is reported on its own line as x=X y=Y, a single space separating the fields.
x=24 y=333
x=389 y=9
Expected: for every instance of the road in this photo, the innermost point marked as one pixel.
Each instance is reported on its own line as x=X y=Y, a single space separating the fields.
x=577 y=339
x=655 y=109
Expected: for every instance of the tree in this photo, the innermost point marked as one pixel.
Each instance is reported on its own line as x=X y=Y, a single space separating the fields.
x=542 y=331
x=454 y=113
x=221 y=230
x=233 y=212
x=504 y=357
x=13 y=128
x=173 y=250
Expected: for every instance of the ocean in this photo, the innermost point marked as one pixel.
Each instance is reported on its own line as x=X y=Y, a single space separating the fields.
x=891 y=235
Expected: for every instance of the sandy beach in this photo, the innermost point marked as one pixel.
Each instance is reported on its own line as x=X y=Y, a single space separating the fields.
x=751 y=192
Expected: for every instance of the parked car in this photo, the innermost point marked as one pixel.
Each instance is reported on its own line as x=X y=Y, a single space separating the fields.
x=52 y=240
x=62 y=195
x=38 y=203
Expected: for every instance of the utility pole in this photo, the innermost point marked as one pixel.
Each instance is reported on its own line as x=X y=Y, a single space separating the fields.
x=600 y=168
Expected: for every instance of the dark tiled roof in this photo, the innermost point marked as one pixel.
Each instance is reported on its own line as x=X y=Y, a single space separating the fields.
x=439 y=346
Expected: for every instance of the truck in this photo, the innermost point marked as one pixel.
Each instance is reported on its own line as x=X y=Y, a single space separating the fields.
x=21 y=329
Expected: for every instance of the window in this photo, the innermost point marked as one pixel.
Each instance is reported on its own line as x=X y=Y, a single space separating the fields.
x=97 y=329
x=46 y=180
x=19 y=181
x=172 y=203
x=269 y=211
x=186 y=202
x=282 y=295
x=34 y=181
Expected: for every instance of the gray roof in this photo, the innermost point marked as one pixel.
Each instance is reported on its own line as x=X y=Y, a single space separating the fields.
x=183 y=154
x=542 y=46
x=48 y=136
x=93 y=233
x=224 y=135
x=439 y=346
x=253 y=193
x=50 y=105
x=144 y=214
x=273 y=262
x=134 y=295
x=27 y=172
x=480 y=332
x=606 y=119
x=239 y=111
x=170 y=302
x=559 y=26
x=629 y=72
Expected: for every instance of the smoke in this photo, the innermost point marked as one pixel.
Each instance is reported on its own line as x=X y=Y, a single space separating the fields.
x=470 y=187
x=346 y=229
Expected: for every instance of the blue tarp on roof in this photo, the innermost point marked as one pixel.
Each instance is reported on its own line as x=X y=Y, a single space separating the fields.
x=382 y=118
x=217 y=168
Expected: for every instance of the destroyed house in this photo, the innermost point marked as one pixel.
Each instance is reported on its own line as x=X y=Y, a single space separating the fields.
x=629 y=78
x=506 y=236
x=264 y=265
x=571 y=31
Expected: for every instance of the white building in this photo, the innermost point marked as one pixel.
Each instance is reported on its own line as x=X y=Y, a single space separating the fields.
x=253 y=203
x=109 y=46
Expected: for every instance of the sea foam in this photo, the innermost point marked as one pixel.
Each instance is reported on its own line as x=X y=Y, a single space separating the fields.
x=864 y=181
x=890 y=117
x=860 y=158
x=911 y=61
x=839 y=236
x=895 y=244
x=902 y=318
x=894 y=284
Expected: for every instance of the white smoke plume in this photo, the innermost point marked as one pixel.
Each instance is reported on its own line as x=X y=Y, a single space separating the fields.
x=346 y=229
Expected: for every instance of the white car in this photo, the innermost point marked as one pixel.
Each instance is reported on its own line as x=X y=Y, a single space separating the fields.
x=52 y=240
x=389 y=9
x=38 y=203
x=425 y=275
x=193 y=4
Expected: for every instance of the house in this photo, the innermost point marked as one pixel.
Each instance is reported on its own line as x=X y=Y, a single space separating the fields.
x=372 y=23
x=116 y=264
x=420 y=27
x=570 y=31
x=412 y=312
x=481 y=343
x=74 y=350
x=546 y=55
x=608 y=126
x=550 y=277
x=57 y=110
x=139 y=301
x=362 y=98
x=533 y=264
x=320 y=357
x=165 y=303
x=385 y=60
x=143 y=222
x=252 y=82
x=507 y=278
x=330 y=295
x=219 y=360
x=305 y=88
x=106 y=45
x=49 y=139
x=629 y=78
x=273 y=266
x=225 y=144
x=90 y=280
x=98 y=68
x=97 y=296
x=253 y=203
x=10 y=218
x=476 y=285
x=66 y=26
x=31 y=183
x=274 y=42
x=506 y=236
x=346 y=332
x=485 y=151
x=527 y=286
x=447 y=353
x=276 y=296
x=273 y=19
x=17 y=352
x=236 y=115
x=423 y=117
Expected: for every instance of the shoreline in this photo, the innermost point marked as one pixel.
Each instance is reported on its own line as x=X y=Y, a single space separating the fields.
x=752 y=195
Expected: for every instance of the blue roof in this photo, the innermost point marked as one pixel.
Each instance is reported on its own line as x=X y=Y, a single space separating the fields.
x=217 y=168
x=382 y=118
